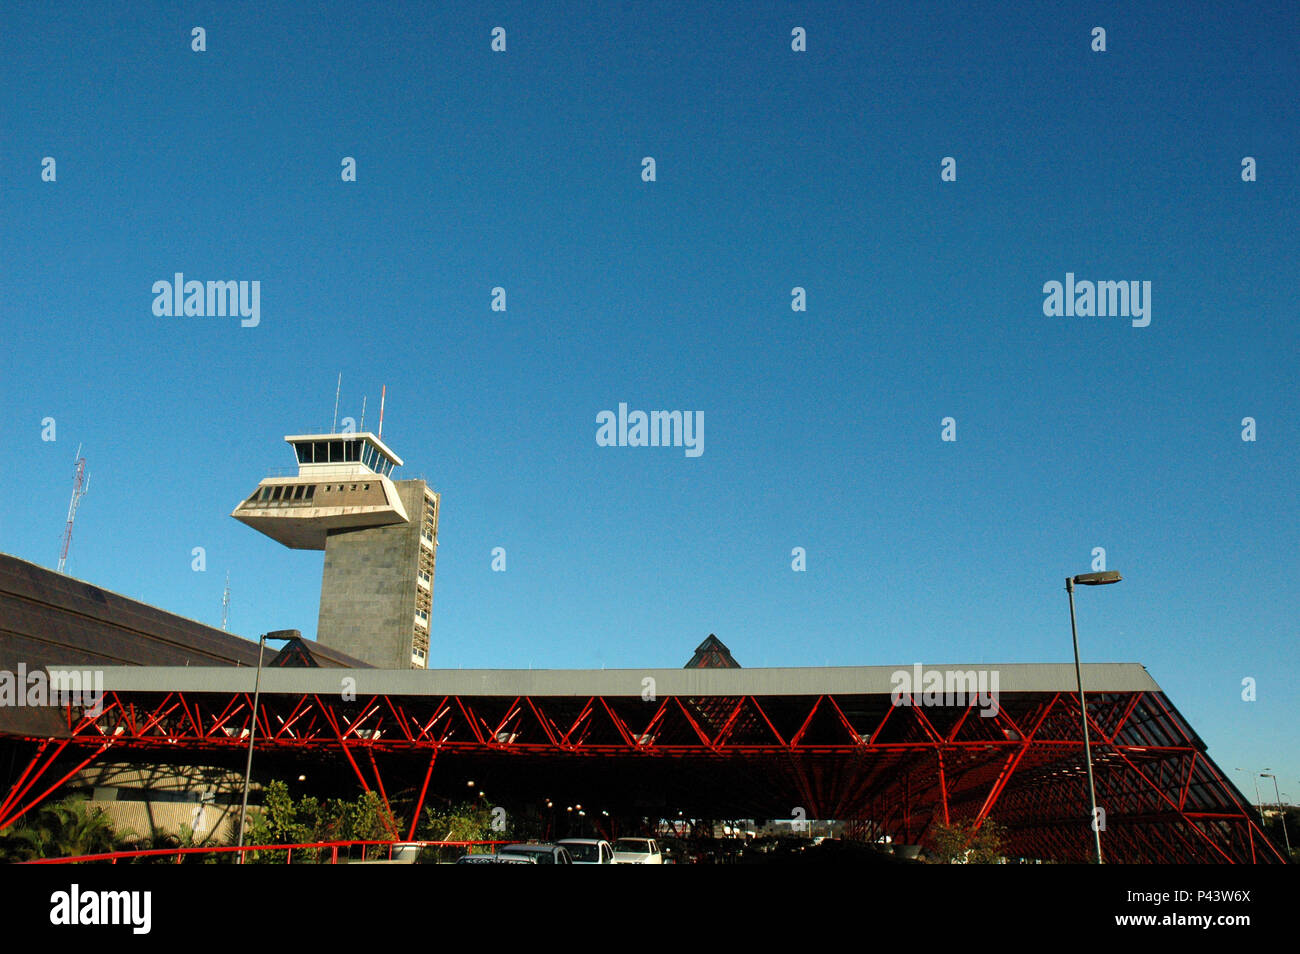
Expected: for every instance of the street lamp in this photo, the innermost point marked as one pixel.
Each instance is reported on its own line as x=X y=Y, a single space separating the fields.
x=279 y=634
x=1280 y=809
x=1087 y=579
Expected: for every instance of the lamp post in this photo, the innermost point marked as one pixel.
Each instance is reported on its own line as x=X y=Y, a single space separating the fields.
x=1259 y=805
x=1280 y=809
x=1087 y=579
x=279 y=634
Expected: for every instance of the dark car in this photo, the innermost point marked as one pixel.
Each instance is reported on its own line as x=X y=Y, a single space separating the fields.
x=539 y=854
x=520 y=859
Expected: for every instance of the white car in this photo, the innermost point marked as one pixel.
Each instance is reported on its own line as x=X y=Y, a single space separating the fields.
x=588 y=851
x=637 y=851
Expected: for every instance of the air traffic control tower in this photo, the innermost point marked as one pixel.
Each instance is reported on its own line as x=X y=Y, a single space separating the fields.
x=380 y=538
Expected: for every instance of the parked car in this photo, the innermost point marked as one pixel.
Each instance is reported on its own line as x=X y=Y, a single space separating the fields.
x=538 y=854
x=498 y=859
x=637 y=851
x=588 y=851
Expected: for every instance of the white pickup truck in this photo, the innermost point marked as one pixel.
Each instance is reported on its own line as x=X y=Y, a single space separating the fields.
x=637 y=851
x=588 y=851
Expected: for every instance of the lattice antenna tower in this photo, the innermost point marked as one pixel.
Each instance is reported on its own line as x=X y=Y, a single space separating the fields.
x=80 y=485
x=225 y=603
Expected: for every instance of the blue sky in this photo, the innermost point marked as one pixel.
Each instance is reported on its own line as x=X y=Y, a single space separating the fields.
x=774 y=169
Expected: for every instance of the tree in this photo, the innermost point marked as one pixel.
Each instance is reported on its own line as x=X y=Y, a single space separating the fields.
x=59 y=830
x=283 y=821
x=365 y=819
x=185 y=838
x=467 y=821
x=961 y=843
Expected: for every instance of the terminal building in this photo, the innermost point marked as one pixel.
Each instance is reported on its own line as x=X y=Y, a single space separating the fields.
x=177 y=702
x=380 y=539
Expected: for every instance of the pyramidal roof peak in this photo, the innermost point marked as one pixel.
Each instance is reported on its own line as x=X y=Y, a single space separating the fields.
x=712 y=654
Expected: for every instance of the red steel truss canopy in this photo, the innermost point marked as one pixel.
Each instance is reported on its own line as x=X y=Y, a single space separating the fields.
x=712 y=743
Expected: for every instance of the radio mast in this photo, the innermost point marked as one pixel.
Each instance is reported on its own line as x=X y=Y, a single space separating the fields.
x=225 y=602
x=80 y=484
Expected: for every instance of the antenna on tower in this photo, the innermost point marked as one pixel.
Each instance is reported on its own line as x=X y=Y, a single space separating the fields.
x=225 y=603
x=80 y=485
x=382 y=393
x=338 y=387
x=363 y=413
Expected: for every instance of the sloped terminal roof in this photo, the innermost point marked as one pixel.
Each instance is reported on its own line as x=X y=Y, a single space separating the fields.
x=47 y=618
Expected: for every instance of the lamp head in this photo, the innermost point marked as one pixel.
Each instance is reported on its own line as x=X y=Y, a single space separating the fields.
x=1098 y=579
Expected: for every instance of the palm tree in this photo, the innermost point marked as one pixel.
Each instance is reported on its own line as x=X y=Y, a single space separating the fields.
x=59 y=830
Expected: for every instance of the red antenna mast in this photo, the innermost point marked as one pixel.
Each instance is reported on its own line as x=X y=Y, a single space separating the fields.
x=80 y=485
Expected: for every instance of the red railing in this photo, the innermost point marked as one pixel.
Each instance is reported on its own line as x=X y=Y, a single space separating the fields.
x=334 y=846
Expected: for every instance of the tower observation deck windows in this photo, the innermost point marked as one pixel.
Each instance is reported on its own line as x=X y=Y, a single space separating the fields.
x=281 y=495
x=352 y=450
x=333 y=452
